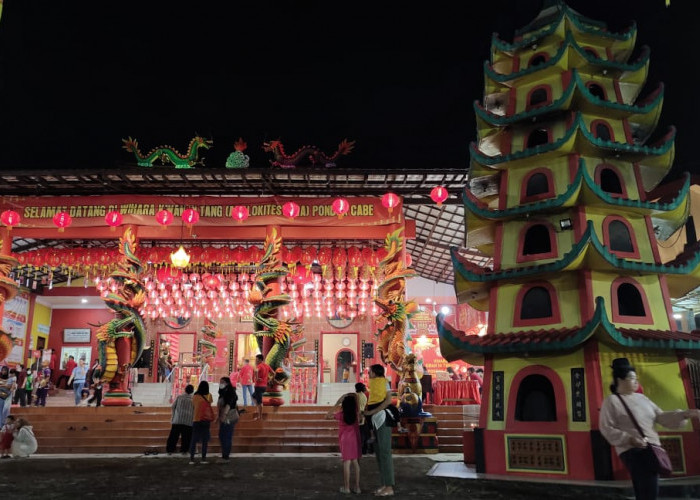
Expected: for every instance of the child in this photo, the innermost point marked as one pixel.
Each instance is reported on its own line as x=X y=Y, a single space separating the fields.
x=6 y=436
x=42 y=388
x=346 y=412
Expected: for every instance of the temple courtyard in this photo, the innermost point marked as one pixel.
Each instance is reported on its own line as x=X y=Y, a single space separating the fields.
x=284 y=477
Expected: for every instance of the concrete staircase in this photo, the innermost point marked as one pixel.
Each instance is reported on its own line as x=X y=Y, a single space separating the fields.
x=152 y=394
x=286 y=429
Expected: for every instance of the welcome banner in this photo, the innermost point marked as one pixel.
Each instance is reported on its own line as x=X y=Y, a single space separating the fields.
x=90 y=211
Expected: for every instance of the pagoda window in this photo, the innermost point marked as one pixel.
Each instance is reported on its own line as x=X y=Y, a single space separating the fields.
x=591 y=52
x=536 y=304
x=535 y=401
x=690 y=234
x=537 y=241
x=596 y=90
x=602 y=130
x=630 y=304
x=537 y=185
x=619 y=237
x=609 y=179
x=537 y=59
x=538 y=137
x=539 y=96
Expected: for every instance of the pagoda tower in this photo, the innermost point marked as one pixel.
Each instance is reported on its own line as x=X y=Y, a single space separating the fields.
x=558 y=196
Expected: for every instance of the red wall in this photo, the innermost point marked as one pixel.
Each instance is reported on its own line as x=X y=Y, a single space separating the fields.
x=76 y=318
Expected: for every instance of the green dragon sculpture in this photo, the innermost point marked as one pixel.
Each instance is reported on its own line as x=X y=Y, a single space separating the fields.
x=169 y=155
x=391 y=300
x=120 y=341
x=285 y=334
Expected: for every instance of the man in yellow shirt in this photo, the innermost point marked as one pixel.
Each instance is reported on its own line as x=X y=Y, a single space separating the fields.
x=380 y=399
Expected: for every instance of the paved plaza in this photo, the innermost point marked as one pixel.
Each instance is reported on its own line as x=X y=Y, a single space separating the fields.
x=281 y=477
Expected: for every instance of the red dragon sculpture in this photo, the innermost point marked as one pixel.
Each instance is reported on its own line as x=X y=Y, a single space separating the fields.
x=306 y=155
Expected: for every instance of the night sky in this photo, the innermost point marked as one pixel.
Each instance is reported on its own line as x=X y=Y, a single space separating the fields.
x=397 y=77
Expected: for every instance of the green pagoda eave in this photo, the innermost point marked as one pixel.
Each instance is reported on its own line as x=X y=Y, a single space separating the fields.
x=646 y=112
x=587 y=253
x=455 y=344
x=578 y=139
x=669 y=215
x=593 y=28
x=572 y=51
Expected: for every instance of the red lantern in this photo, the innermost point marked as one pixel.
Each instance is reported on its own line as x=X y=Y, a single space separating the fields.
x=340 y=207
x=190 y=217
x=240 y=213
x=10 y=218
x=290 y=209
x=164 y=218
x=367 y=256
x=62 y=220
x=390 y=201
x=308 y=256
x=114 y=219
x=439 y=194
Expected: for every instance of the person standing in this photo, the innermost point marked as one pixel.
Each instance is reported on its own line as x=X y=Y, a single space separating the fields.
x=6 y=389
x=70 y=366
x=203 y=416
x=346 y=412
x=42 y=388
x=379 y=400
x=77 y=378
x=27 y=388
x=617 y=416
x=20 y=396
x=227 y=415
x=262 y=376
x=246 y=375
x=96 y=382
x=181 y=422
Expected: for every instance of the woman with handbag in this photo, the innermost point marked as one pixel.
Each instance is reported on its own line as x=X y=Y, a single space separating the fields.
x=227 y=415
x=627 y=421
x=202 y=419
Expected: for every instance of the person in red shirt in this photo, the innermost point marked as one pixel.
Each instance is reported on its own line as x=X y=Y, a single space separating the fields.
x=262 y=376
x=246 y=379
x=70 y=364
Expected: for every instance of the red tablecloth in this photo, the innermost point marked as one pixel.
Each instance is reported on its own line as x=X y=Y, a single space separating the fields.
x=456 y=389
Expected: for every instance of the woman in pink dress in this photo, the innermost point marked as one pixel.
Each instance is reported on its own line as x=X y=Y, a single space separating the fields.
x=346 y=412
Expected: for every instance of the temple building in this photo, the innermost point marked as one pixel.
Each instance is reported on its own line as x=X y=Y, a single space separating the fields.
x=560 y=176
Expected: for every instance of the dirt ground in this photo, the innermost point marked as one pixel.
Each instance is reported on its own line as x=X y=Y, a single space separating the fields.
x=247 y=477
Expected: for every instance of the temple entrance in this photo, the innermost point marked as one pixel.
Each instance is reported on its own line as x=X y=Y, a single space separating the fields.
x=345 y=367
x=338 y=351
x=170 y=346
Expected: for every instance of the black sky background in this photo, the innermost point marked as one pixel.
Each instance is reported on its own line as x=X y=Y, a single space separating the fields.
x=397 y=77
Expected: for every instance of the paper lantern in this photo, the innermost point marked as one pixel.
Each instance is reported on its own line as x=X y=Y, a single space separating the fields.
x=164 y=218
x=180 y=258
x=10 y=218
x=390 y=201
x=340 y=207
x=290 y=209
x=114 y=219
x=240 y=213
x=190 y=217
x=62 y=220
x=439 y=194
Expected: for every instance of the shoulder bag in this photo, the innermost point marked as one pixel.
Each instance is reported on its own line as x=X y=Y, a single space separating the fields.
x=232 y=416
x=663 y=462
x=207 y=412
